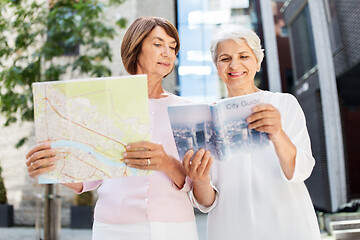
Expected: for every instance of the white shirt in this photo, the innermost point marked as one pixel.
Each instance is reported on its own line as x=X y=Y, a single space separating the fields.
x=255 y=200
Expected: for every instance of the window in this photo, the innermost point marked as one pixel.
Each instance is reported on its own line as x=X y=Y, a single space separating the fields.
x=302 y=43
x=197 y=21
x=333 y=23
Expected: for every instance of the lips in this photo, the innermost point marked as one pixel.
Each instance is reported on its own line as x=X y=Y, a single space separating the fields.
x=236 y=74
x=165 y=64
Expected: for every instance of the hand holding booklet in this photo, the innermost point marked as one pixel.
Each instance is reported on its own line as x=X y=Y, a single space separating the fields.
x=220 y=127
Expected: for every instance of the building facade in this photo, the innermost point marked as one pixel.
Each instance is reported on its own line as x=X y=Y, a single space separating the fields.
x=324 y=41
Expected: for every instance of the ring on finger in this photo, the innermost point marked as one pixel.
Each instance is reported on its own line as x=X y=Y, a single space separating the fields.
x=148 y=162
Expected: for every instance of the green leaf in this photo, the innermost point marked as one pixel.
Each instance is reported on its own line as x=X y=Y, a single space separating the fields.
x=122 y=22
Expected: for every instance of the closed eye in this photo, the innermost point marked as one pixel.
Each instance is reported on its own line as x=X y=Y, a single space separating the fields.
x=224 y=59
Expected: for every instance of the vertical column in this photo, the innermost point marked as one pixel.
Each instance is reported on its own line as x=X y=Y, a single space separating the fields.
x=271 y=52
x=330 y=104
x=52 y=212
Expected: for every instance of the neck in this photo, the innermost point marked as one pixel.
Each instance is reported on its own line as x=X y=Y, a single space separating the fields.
x=155 y=89
x=233 y=92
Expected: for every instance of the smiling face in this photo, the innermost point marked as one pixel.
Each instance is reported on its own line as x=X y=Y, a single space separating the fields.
x=157 y=55
x=237 y=65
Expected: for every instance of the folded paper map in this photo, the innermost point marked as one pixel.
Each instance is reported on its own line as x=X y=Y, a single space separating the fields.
x=90 y=121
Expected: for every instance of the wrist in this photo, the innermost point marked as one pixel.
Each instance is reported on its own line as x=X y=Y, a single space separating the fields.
x=201 y=182
x=172 y=166
x=276 y=138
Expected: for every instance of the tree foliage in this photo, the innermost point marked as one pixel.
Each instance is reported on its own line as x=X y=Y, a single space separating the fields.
x=84 y=199
x=3 y=198
x=35 y=37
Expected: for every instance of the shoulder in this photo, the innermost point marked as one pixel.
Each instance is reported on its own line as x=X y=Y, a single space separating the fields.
x=281 y=100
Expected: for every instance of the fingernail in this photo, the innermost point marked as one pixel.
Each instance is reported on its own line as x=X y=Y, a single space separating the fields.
x=124 y=154
x=255 y=109
x=126 y=160
x=128 y=146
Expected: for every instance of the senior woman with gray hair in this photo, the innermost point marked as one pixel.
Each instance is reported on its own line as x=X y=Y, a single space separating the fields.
x=261 y=194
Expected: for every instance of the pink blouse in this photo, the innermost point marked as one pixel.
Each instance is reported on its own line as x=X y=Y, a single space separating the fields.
x=146 y=198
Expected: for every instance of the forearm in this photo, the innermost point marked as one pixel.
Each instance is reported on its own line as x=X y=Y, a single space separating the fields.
x=176 y=172
x=76 y=187
x=204 y=193
x=286 y=152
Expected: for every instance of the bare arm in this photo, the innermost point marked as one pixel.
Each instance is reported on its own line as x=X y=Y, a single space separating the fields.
x=76 y=187
x=267 y=118
x=199 y=171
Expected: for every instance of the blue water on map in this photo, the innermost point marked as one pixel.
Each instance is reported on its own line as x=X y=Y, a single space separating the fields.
x=85 y=148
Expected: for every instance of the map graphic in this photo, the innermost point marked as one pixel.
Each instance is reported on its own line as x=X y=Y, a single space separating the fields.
x=89 y=122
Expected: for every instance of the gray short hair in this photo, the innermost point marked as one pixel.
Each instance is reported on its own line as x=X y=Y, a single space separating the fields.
x=238 y=34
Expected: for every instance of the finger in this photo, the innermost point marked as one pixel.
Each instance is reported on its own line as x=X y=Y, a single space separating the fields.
x=262 y=122
x=139 y=162
x=204 y=163
x=139 y=154
x=44 y=162
x=186 y=159
x=40 y=171
x=40 y=155
x=141 y=146
x=142 y=167
x=196 y=160
x=208 y=166
x=266 y=129
x=263 y=107
x=260 y=115
x=38 y=147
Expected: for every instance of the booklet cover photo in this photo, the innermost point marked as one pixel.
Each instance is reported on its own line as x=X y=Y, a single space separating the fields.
x=220 y=127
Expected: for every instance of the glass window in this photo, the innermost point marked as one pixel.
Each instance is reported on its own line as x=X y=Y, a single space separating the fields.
x=333 y=23
x=197 y=21
x=302 y=43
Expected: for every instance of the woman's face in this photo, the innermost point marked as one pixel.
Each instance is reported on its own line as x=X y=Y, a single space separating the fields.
x=236 y=64
x=157 y=55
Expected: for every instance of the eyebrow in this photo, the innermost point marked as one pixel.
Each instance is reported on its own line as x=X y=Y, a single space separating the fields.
x=243 y=52
x=159 y=38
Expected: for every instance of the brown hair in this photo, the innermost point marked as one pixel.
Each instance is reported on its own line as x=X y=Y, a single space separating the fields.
x=135 y=35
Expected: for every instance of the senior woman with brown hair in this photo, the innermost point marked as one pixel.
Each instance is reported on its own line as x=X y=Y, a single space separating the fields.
x=155 y=206
x=260 y=194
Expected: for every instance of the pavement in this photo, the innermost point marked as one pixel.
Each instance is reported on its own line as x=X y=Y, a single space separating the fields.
x=29 y=233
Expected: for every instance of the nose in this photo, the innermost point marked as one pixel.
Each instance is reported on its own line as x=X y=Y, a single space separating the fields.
x=234 y=63
x=165 y=51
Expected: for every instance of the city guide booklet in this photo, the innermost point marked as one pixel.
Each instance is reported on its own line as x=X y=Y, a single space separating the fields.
x=90 y=121
x=220 y=127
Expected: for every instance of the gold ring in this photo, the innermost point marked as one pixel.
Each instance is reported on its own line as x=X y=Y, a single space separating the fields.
x=148 y=162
